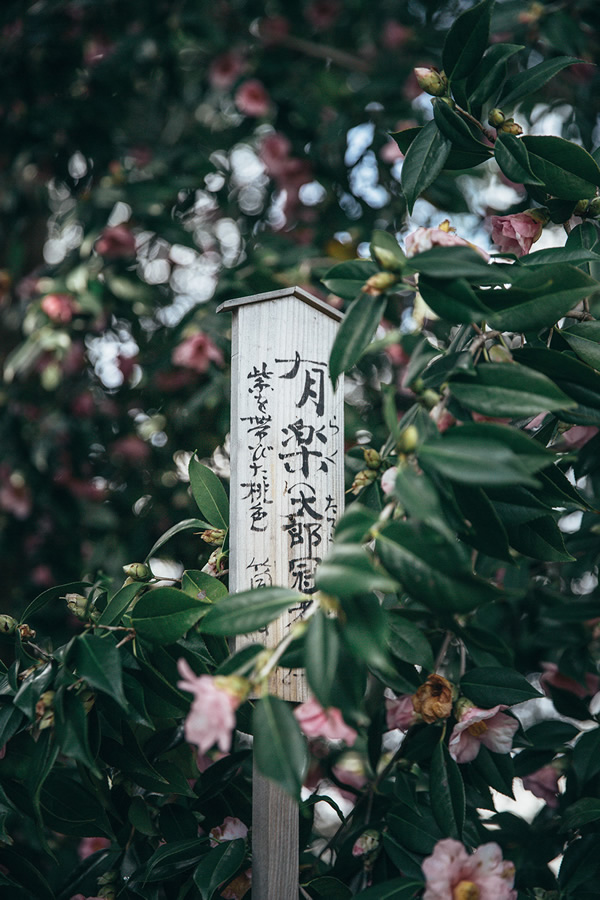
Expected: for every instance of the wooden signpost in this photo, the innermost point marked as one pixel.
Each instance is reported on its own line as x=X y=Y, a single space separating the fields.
x=287 y=490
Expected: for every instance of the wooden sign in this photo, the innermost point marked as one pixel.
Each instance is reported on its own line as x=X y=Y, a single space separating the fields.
x=287 y=451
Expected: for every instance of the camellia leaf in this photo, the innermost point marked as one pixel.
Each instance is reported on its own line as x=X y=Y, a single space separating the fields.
x=540 y=538
x=454 y=300
x=120 y=603
x=322 y=649
x=584 y=339
x=407 y=641
x=586 y=756
x=566 y=169
x=525 y=83
x=356 y=330
x=347 y=279
x=492 y=685
x=424 y=160
x=185 y=525
x=204 y=587
x=61 y=590
x=463 y=262
x=98 y=662
x=382 y=241
x=394 y=889
x=457 y=131
x=447 y=793
x=508 y=390
x=581 y=813
x=164 y=614
x=512 y=157
x=466 y=40
x=485 y=81
x=348 y=570
x=209 y=494
x=418 y=834
x=280 y=750
x=218 y=866
x=249 y=610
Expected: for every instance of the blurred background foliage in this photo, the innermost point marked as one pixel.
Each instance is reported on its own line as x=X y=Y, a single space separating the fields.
x=160 y=158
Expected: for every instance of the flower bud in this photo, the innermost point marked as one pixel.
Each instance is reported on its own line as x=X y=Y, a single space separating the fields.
x=367 y=844
x=7 y=624
x=509 y=126
x=362 y=479
x=593 y=208
x=499 y=354
x=581 y=207
x=429 y=398
x=496 y=117
x=138 y=571
x=214 y=536
x=44 y=710
x=372 y=458
x=25 y=632
x=78 y=605
x=379 y=282
x=408 y=440
x=431 y=81
x=386 y=259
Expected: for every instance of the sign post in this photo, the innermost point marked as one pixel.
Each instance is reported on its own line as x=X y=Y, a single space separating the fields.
x=287 y=490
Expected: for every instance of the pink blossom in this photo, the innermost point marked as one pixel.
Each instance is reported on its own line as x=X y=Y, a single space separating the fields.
x=322 y=13
x=395 y=35
x=229 y=829
x=59 y=307
x=89 y=845
x=327 y=723
x=425 y=238
x=388 y=480
x=15 y=496
x=131 y=449
x=578 y=436
x=551 y=677
x=273 y=29
x=353 y=778
x=451 y=874
x=400 y=712
x=367 y=843
x=211 y=718
x=516 y=233
x=274 y=152
x=391 y=152
x=544 y=784
x=252 y=99
x=489 y=727
x=116 y=241
x=225 y=69
x=197 y=352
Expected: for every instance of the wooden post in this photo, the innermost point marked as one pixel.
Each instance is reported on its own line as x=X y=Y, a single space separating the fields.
x=287 y=490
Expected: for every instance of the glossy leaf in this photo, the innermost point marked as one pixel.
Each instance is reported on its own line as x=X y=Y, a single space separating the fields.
x=219 y=866
x=53 y=593
x=485 y=81
x=383 y=240
x=249 y=610
x=202 y=586
x=456 y=130
x=365 y=631
x=393 y=889
x=525 y=83
x=424 y=160
x=453 y=300
x=540 y=538
x=584 y=339
x=186 y=525
x=462 y=262
x=492 y=685
x=322 y=650
x=280 y=749
x=568 y=171
x=209 y=494
x=407 y=641
x=581 y=813
x=164 y=614
x=355 y=332
x=586 y=757
x=98 y=662
x=347 y=279
x=466 y=40
x=508 y=389
x=419 y=834
x=447 y=793
x=512 y=157
x=348 y=570
x=119 y=603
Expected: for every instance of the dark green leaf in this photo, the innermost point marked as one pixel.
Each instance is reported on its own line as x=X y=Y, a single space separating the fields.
x=467 y=40
x=354 y=526
x=575 y=257
x=512 y=157
x=249 y=610
x=394 y=889
x=453 y=300
x=566 y=169
x=70 y=808
x=485 y=81
x=460 y=262
x=218 y=866
x=456 y=130
x=209 y=494
x=447 y=793
x=586 y=757
x=407 y=641
x=496 y=769
x=356 y=330
x=584 y=236
x=365 y=630
x=575 y=378
x=424 y=160
x=60 y=591
x=508 y=389
x=186 y=525
x=551 y=735
x=584 y=339
x=119 y=603
x=348 y=570
x=328 y=888
x=581 y=813
x=202 y=586
x=164 y=614
x=525 y=83
x=321 y=653
x=71 y=724
x=347 y=279
x=98 y=662
x=419 y=834
x=540 y=538
x=170 y=860
x=31 y=688
x=489 y=686
x=386 y=242
x=482 y=528
x=280 y=750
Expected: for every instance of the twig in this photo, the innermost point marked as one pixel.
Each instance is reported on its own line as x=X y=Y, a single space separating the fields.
x=126 y=639
x=443 y=649
x=323 y=51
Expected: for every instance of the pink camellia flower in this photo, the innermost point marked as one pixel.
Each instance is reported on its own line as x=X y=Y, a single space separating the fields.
x=275 y=152
x=229 y=829
x=425 y=238
x=197 y=352
x=252 y=99
x=90 y=845
x=116 y=241
x=544 y=784
x=211 y=718
x=489 y=727
x=225 y=69
x=327 y=723
x=273 y=29
x=451 y=874
x=388 y=480
x=400 y=712
x=395 y=35
x=577 y=436
x=59 y=307
x=516 y=233
x=551 y=677
x=130 y=448
x=15 y=496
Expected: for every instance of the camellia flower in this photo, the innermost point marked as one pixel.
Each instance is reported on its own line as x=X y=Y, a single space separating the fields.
x=433 y=699
x=252 y=99
x=388 y=480
x=451 y=874
x=326 y=723
x=516 y=233
x=551 y=677
x=225 y=69
x=89 y=845
x=543 y=784
x=229 y=830
x=476 y=726
x=59 y=307
x=116 y=241
x=425 y=238
x=197 y=352
x=211 y=718
x=400 y=712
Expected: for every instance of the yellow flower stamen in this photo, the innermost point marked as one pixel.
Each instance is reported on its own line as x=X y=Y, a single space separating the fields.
x=465 y=890
x=477 y=729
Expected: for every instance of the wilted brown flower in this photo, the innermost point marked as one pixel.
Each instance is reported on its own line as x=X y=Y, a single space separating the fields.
x=433 y=700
